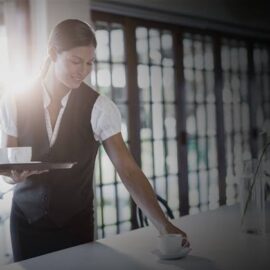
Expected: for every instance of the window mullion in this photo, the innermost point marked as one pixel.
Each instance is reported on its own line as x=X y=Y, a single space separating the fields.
x=180 y=98
x=133 y=102
x=221 y=153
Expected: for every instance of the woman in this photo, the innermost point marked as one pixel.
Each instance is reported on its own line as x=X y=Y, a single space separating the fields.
x=63 y=119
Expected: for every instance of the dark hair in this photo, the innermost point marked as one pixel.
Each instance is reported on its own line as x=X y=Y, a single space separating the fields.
x=71 y=33
x=66 y=35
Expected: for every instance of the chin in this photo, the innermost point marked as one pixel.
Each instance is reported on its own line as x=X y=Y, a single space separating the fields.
x=74 y=85
x=77 y=85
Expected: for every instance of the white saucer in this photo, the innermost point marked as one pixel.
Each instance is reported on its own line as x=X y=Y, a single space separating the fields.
x=178 y=255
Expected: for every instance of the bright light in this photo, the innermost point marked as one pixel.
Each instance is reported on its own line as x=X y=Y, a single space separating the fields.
x=13 y=77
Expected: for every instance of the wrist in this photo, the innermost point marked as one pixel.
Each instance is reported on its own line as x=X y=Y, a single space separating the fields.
x=165 y=227
x=169 y=228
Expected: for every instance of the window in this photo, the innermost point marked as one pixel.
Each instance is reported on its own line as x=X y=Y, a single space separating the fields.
x=155 y=79
x=109 y=77
x=261 y=60
x=201 y=123
x=193 y=92
x=236 y=111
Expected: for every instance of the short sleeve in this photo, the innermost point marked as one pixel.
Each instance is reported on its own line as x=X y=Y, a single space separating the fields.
x=105 y=119
x=8 y=115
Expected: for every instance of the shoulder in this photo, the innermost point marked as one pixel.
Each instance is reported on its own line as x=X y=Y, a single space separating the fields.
x=106 y=118
x=105 y=104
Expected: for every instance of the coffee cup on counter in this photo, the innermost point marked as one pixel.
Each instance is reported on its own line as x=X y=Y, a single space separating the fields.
x=170 y=244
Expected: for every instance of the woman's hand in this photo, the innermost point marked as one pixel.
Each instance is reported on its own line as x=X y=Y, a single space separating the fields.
x=171 y=229
x=19 y=176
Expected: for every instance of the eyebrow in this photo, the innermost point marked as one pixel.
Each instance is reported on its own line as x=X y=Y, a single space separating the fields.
x=82 y=58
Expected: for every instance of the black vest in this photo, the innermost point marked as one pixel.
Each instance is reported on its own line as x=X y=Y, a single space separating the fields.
x=60 y=194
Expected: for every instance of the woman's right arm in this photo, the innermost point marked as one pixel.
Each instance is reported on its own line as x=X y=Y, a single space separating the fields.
x=14 y=177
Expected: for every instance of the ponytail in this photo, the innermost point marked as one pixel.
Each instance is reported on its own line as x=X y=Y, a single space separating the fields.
x=45 y=67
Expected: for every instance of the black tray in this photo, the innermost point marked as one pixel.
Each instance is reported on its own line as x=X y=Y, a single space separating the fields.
x=36 y=165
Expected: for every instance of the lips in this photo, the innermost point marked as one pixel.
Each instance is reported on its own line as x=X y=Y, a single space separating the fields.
x=77 y=79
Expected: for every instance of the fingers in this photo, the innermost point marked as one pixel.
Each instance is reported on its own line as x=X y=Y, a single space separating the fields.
x=16 y=176
x=19 y=176
x=40 y=172
x=5 y=173
x=185 y=242
x=29 y=173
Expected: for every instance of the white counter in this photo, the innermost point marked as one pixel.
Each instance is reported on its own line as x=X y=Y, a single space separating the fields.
x=216 y=241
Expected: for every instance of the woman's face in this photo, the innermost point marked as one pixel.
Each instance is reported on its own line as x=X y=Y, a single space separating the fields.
x=71 y=67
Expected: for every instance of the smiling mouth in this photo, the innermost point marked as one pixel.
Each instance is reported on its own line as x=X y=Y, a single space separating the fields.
x=77 y=79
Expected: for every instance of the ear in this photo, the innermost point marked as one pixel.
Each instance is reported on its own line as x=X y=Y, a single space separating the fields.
x=52 y=52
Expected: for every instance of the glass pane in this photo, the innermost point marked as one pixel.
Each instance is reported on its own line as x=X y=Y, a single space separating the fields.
x=168 y=84
x=102 y=50
x=171 y=159
x=109 y=205
x=173 y=192
x=158 y=121
x=159 y=158
x=104 y=79
x=188 y=55
x=142 y=44
x=167 y=48
x=147 y=158
x=203 y=187
x=119 y=77
x=117 y=44
x=124 y=202
x=156 y=83
x=161 y=187
x=198 y=55
x=146 y=122
x=170 y=121
x=144 y=82
x=154 y=42
x=209 y=57
x=107 y=168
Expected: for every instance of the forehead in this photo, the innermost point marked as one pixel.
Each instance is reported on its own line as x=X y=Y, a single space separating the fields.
x=83 y=52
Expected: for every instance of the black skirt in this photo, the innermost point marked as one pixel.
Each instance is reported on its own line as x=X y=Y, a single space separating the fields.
x=43 y=236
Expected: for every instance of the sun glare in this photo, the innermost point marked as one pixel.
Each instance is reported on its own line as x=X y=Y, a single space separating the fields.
x=15 y=76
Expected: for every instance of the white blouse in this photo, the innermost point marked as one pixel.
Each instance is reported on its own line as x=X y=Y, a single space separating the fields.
x=105 y=118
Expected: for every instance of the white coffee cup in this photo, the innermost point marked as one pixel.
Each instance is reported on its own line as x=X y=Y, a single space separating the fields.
x=19 y=154
x=170 y=243
x=3 y=156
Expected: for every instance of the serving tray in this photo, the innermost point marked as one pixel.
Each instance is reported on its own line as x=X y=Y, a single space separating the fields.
x=36 y=165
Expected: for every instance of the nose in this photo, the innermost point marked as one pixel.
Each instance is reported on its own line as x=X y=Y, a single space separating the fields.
x=83 y=70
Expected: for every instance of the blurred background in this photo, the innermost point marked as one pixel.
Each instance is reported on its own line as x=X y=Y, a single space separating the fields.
x=191 y=79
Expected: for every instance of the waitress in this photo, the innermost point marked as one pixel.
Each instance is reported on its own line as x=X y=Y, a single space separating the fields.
x=64 y=120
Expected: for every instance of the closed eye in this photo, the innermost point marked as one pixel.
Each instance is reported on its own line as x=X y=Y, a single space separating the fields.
x=75 y=62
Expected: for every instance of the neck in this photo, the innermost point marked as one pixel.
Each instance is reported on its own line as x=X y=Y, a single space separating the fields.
x=56 y=89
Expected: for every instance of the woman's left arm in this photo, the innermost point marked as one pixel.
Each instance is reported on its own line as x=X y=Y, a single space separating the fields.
x=137 y=184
